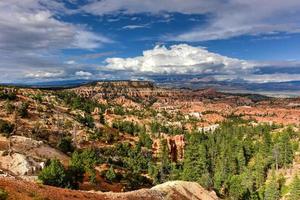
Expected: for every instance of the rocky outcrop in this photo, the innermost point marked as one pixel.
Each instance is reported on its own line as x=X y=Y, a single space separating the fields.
x=141 y=91
x=185 y=190
x=175 y=145
x=115 y=89
x=18 y=164
x=26 y=156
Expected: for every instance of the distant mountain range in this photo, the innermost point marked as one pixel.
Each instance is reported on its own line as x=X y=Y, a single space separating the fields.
x=289 y=89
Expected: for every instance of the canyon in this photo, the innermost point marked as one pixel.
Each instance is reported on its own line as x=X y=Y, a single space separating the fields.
x=163 y=114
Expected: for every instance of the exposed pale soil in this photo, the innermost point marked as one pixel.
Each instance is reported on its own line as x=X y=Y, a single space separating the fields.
x=174 y=190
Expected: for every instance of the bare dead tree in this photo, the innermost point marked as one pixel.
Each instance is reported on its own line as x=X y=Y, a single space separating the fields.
x=75 y=135
x=16 y=123
x=276 y=155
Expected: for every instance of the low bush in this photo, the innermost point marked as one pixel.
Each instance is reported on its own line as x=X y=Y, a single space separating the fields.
x=65 y=145
x=6 y=128
x=3 y=194
x=55 y=174
x=23 y=109
x=9 y=108
x=87 y=120
x=8 y=95
x=110 y=174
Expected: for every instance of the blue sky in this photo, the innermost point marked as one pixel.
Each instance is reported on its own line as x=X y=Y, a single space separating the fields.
x=253 y=40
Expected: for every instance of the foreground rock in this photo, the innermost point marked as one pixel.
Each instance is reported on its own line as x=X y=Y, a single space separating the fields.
x=26 y=156
x=18 y=189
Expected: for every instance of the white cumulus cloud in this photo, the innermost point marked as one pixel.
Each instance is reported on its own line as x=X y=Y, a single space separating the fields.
x=180 y=59
x=183 y=59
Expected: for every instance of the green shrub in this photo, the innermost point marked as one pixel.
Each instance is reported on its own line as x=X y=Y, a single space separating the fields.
x=74 y=176
x=53 y=174
x=87 y=120
x=96 y=135
x=118 y=110
x=127 y=127
x=6 y=128
x=8 y=95
x=77 y=102
x=23 y=109
x=157 y=127
x=38 y=97
x=65 y=145
x=9 y=107
x=102 y=118
x=122 y=149
x=3 y=194
x=86 y=161
x=106 y=134
x=110 y=174
x=109 y=136
x=145 y=140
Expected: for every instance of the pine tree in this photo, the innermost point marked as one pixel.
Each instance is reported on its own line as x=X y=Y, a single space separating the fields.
x=154 y=172
x=195 y=166
x=286 y=150
x=241 y=160
x=236 y=190
x=86 y=162
x=53 y=174
x=272 y=191
x=259 y=170
x=295 y=189
x=267 y=142
x=164 y=160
